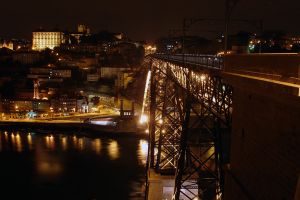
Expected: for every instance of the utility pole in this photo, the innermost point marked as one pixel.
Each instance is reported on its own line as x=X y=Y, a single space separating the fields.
x=229 y=6
x=184 y=29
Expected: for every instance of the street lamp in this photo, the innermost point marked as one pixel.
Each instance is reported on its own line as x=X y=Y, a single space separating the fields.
x=143 y=119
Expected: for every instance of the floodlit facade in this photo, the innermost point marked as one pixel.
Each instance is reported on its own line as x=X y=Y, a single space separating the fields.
x=44 y=39
x=82 y=28
x=8 y=45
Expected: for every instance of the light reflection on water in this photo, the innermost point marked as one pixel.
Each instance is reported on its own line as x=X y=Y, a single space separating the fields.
x=81 y=144
x=113 y=150
x=48 y=168
x=18 y=143
x=97 y=146
x=26 y=142
x=6 y=135
x=13 y=140
x=143 y=151
x=29 y=140
x=64 y=143
x=50 y=144
x=75 y=140
x=56 y=157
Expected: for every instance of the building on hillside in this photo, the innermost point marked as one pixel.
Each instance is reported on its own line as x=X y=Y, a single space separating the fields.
x=65 y=104
x=49 y=73
x=93 y=77
x=124 y=78
x=82 y=30
x=119 y=36
x=27 y=57
x=6 y=44
x=24 y=105
x=42 y=39
x=111 y=72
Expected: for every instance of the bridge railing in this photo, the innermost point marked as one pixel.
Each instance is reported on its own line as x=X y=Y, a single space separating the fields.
x=201 y=60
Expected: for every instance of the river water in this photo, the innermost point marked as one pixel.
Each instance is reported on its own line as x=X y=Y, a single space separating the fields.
x=69 y=166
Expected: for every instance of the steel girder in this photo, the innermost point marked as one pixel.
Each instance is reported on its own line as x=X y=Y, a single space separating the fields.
x=165 y=120
x=200 y=173
x=190 y=118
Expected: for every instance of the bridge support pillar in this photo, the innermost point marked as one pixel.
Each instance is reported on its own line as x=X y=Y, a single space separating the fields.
x=160 y=187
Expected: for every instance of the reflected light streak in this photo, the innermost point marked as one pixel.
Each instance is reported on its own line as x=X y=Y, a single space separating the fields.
x=97 y=146
x=46 y=167
x=6 y=136
x=113 y=150
x=64 y=143
x=75 y=140
x=81 y=144
x=143 y=151
x=29 y=140
x=18 y=143
x=13 y=140
x=50 y=142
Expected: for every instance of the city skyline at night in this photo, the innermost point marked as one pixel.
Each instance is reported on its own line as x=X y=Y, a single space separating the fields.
x=150 y=100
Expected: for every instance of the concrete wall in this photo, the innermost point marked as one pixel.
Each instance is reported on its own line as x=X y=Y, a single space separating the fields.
x=286 y=65
x=265 y=141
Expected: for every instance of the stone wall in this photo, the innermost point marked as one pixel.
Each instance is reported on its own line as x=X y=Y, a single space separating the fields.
x=265 y=140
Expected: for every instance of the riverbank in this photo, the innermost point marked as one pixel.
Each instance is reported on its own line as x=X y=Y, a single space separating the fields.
x=74 y=127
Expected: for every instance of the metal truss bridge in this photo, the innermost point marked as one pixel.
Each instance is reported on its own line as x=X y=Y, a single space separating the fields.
x=189 y=108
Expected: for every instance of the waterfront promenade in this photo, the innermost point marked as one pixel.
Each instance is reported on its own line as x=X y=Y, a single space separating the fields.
x=79 y=123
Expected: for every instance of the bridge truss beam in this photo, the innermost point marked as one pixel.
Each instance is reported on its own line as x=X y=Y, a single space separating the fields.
x=165 y=120
x=190 y=118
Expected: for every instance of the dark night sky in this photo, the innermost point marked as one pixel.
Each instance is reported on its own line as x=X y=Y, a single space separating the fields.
x=139 y=19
